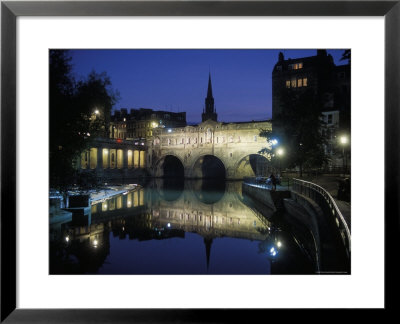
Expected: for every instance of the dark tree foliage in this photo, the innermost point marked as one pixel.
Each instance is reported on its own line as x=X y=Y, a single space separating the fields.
x=79 y=112
x=298 y=130
x=346 y=55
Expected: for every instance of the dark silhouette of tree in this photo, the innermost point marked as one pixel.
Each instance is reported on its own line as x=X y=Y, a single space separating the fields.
x=79 y=112
x=346 y=55
x=298 y=130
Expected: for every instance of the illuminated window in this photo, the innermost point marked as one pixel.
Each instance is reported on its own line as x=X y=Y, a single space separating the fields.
x=93 y=158
x=300 y=65
x=288 y=84
x=105 y=158
x=304 y=82
x=295 y=66
x=120 y=159
x=299 y=83
x=142 y=159
x=112 y=158
x=130 y=159
x=136 y=158
x=293 y=83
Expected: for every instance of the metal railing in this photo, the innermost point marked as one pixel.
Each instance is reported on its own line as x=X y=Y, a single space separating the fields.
x=327 y=204
x=284 y=182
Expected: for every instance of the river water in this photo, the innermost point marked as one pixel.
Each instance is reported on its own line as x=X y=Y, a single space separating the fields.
x=178 y=227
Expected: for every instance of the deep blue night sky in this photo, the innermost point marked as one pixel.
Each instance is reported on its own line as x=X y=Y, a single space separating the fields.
x=176 y=80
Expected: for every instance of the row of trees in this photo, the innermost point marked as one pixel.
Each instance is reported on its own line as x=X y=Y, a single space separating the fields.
x=79 y=112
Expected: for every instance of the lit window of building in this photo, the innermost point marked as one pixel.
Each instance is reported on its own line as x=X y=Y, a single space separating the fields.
x=293 y=83
x=304 y=82
x=299 y=83
x=288 y=84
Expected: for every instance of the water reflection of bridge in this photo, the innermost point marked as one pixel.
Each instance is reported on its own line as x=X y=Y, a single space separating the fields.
x=156 y=212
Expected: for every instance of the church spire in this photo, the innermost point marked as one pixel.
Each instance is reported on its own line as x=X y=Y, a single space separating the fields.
x=209 y=90
x=207 y=242
x=209 y=111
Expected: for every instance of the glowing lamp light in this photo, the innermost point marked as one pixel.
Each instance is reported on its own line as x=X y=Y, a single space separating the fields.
x=274 y=141
x=169 y=130
x=280 y=151
x=279 y=244
x=343 y=140
x=67 y=239
x=95 y=242
x=169 y=225
x=97 y=112
x=119 y=140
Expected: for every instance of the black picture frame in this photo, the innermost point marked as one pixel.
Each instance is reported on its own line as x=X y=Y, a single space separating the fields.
x=10 y=10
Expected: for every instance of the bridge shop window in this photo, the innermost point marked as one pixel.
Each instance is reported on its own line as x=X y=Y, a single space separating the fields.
x=112 y=158
x=105 y=158
x=130 y=159
x=84 y=160
x=120 y=159
x=93 y=158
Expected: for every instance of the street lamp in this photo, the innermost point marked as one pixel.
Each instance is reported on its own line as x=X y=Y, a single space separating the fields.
x=280 y=152
x=343 y=141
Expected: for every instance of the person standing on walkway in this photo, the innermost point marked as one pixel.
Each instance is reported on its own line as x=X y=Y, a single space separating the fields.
x=273 y=181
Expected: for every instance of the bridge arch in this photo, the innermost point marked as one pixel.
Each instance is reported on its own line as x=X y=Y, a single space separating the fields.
x=169 y=166
x=251 y=165
x=208 y=166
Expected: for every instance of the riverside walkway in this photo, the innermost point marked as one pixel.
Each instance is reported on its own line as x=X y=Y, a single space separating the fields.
x=329 y=182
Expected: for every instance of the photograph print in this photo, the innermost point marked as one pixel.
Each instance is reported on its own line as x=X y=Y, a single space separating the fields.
x=199 y=161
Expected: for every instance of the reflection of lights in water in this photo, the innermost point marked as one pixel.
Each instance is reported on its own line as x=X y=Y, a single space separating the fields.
x=67 y=239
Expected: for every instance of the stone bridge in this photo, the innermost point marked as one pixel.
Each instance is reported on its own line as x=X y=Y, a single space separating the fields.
x=209 y=150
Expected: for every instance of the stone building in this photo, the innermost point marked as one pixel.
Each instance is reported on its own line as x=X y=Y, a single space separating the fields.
x=211 y=149
x=139 y=123
x=110 y=159
x=331 y=86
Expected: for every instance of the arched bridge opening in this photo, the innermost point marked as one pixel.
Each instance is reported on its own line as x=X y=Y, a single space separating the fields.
x=253 y=165
x=169 y=167
x=209 y=167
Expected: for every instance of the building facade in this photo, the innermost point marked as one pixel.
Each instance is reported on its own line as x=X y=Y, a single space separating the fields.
x=330 y=84
x=139 y=123
x=113 y=159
